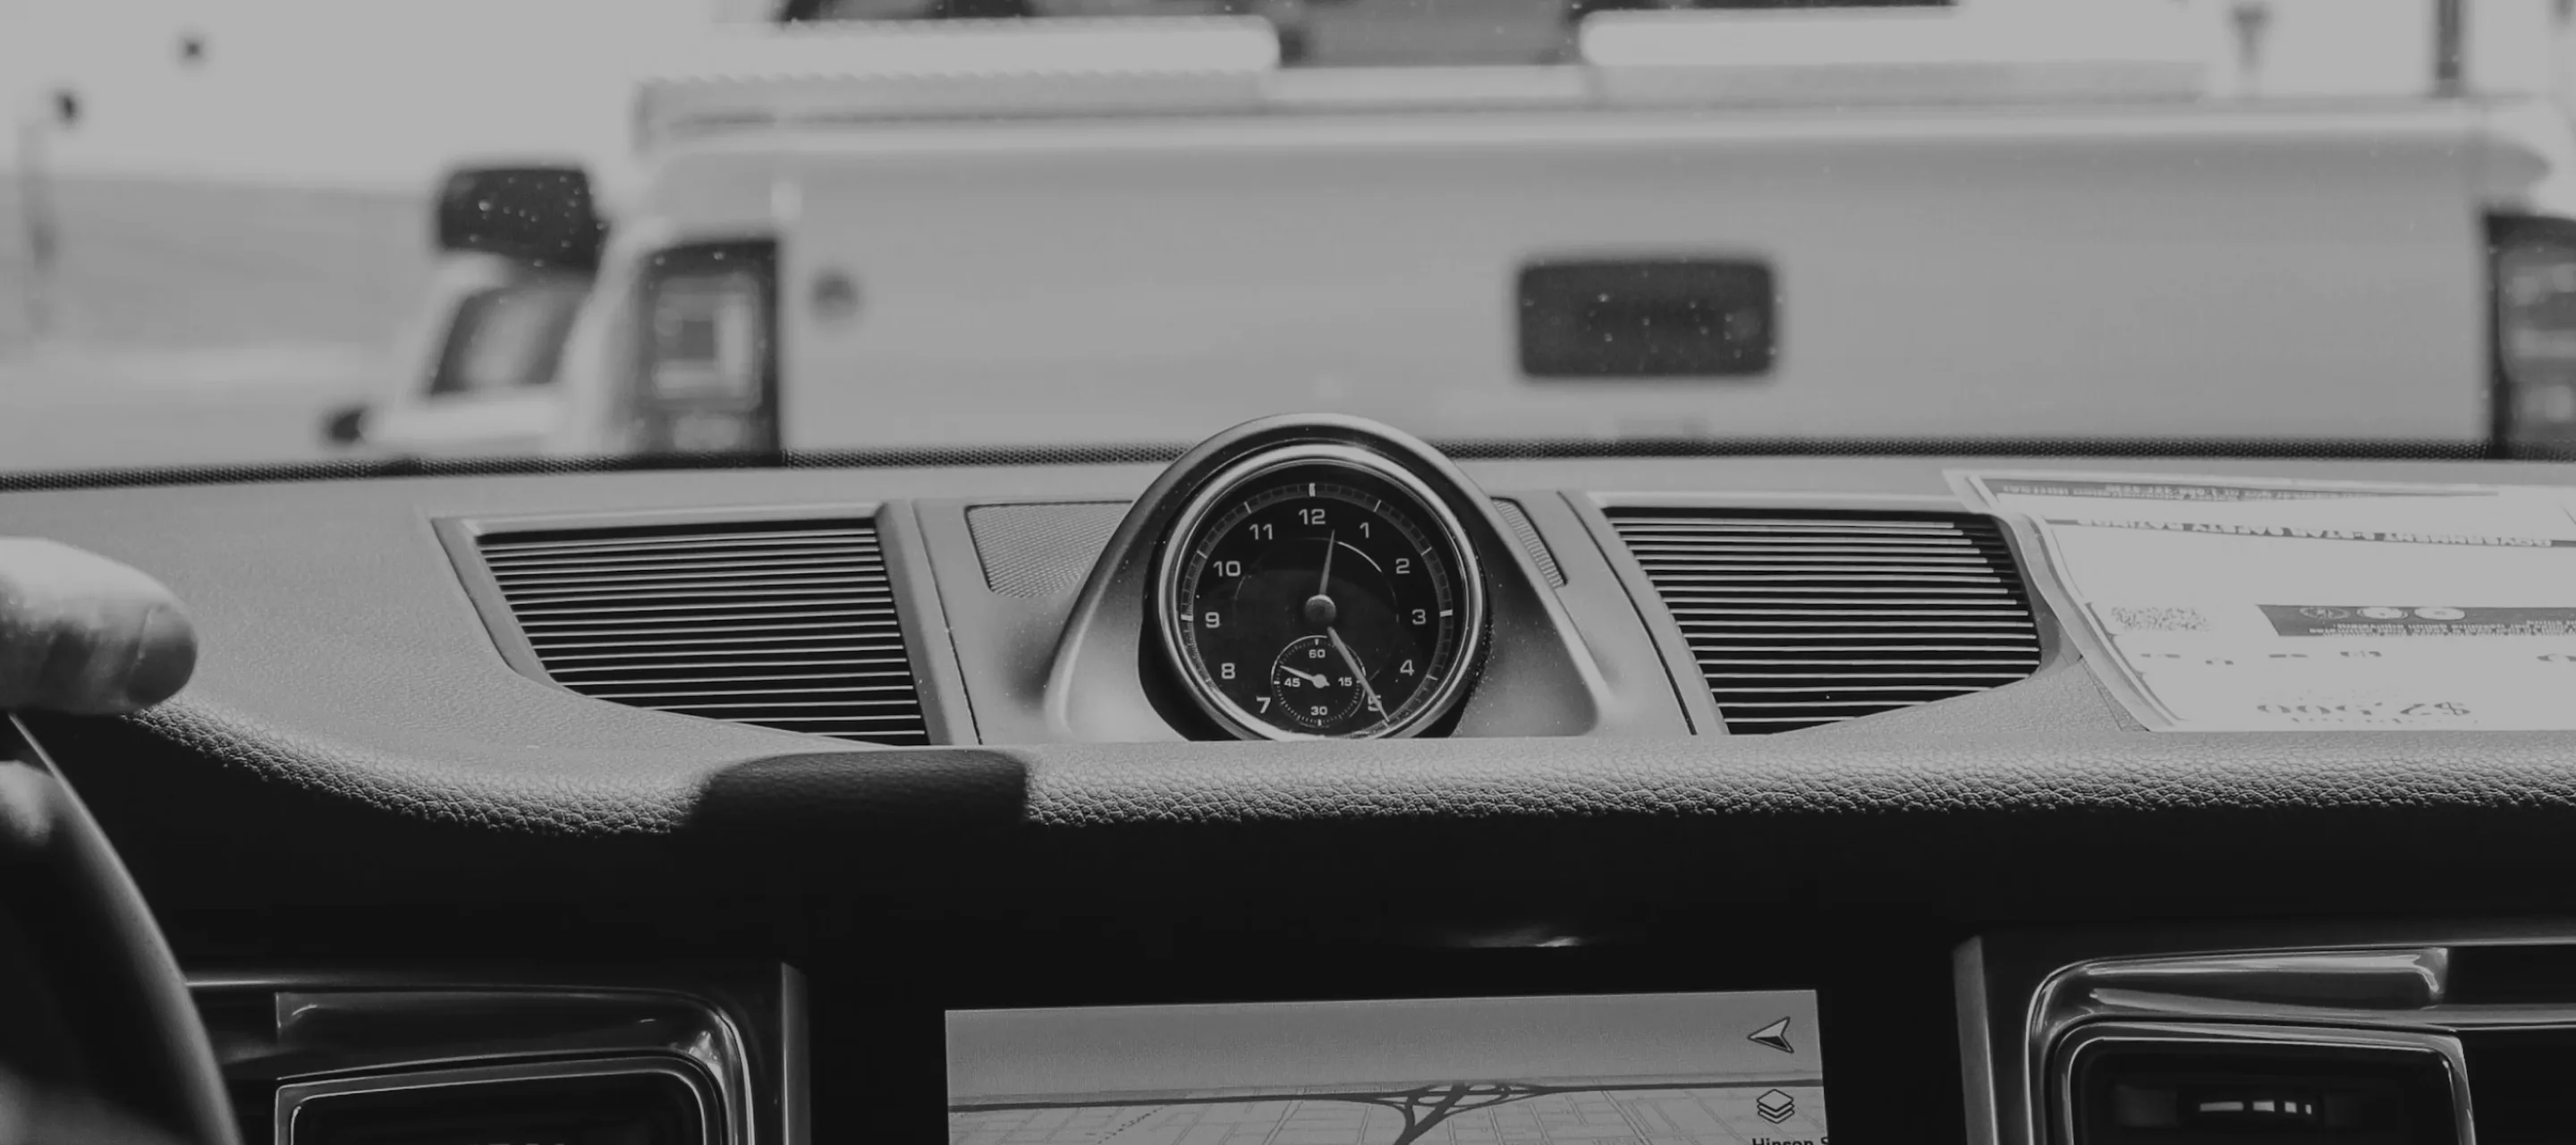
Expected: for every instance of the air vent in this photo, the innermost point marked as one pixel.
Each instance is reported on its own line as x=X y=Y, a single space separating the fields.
x=784 y=624
x=2242 y=1088
x=1801 y=619
x=621 y=1101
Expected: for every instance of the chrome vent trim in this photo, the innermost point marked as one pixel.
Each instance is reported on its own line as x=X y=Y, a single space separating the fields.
x=783 y=624
x=1799 y=619
x=1517 y=519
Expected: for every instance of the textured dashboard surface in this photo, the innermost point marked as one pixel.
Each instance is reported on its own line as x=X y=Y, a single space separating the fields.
x=353 y=732
x=1041 y=550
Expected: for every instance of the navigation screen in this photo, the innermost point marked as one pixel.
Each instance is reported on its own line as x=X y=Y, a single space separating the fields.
x=1712 y=1069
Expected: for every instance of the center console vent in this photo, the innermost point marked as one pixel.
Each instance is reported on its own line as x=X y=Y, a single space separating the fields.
x=787 y=624
x=2365 y=1045
x=709 y=1054
x=2257 y=1086
x=636 y=1101
x=1798 y=619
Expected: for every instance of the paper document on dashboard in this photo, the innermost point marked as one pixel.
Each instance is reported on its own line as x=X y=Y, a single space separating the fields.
x=2237 y=604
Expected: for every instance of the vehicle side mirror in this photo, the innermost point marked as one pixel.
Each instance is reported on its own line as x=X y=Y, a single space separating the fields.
x=346 y=425
x=539 y=215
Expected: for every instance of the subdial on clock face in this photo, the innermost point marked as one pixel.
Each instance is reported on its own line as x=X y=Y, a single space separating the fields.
x=1312 y=685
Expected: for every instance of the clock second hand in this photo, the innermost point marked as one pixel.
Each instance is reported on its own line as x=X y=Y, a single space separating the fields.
x=1356 y=672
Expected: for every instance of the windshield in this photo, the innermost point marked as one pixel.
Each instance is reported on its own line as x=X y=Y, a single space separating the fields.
x=263 y=231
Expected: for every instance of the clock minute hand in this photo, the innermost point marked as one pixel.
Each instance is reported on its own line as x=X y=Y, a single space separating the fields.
x=1357 y=673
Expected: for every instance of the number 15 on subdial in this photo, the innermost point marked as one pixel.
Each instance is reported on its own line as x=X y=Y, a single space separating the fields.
x=1312 y=686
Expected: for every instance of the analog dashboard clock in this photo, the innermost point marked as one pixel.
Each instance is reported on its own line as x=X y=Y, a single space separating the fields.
x=1320 y=591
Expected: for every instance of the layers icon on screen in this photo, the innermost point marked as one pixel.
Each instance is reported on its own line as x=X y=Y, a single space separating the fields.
x=1775 y=1106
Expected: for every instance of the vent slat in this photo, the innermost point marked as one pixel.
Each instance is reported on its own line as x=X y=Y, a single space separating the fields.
x=859 y=693
x=711 y=556
x=765 y=681
x=1803 y=705
x=1861 y=572
x=748 y=609
x=1798 y=620
x=1738 y=625
x=628 y=665
x=839 y=653
x=690 y=589
x=1730 y=577
x=1874 y=594
x=1680 y=555
x=765 y=612
x=499 y=547
x=1927 y=548
x=709 y=551
x=829 y=588
x=777 y=570
x=1804 y=542
x=787 y=625
x=1862 y=601
x=1840 y=662
x=766 y=704
x=1723 y=638
x=1916 y=612
x=656 y=562
x=1629 y=519
x=1840 y=675
x=782 y=637
x=768 y=622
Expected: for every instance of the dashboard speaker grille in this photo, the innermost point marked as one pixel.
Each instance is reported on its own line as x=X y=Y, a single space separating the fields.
x=784 y=624
x=1043 y=550
x=1801 y=618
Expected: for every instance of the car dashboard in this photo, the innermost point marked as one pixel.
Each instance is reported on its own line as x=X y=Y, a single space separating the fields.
x=739 y=806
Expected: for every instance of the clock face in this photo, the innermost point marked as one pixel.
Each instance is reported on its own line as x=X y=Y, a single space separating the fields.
x=1320 y=591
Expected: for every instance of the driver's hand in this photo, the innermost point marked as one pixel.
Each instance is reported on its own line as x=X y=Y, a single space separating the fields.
x=82 y=634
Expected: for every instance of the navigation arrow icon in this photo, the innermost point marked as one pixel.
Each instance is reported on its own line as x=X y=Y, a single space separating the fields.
x=1775 y=1035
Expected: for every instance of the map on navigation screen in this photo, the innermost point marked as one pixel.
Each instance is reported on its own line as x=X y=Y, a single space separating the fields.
x=1712 y=1069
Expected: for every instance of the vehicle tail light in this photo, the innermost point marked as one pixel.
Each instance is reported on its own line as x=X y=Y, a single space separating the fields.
x=2533 y=263
x=708 y=376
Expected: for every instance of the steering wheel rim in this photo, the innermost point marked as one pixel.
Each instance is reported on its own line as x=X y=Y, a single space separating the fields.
x=73 y=917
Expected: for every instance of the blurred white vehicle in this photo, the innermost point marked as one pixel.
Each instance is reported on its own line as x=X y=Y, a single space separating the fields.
x=1292 y=19
x=478 y=371
x=1142 y=232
